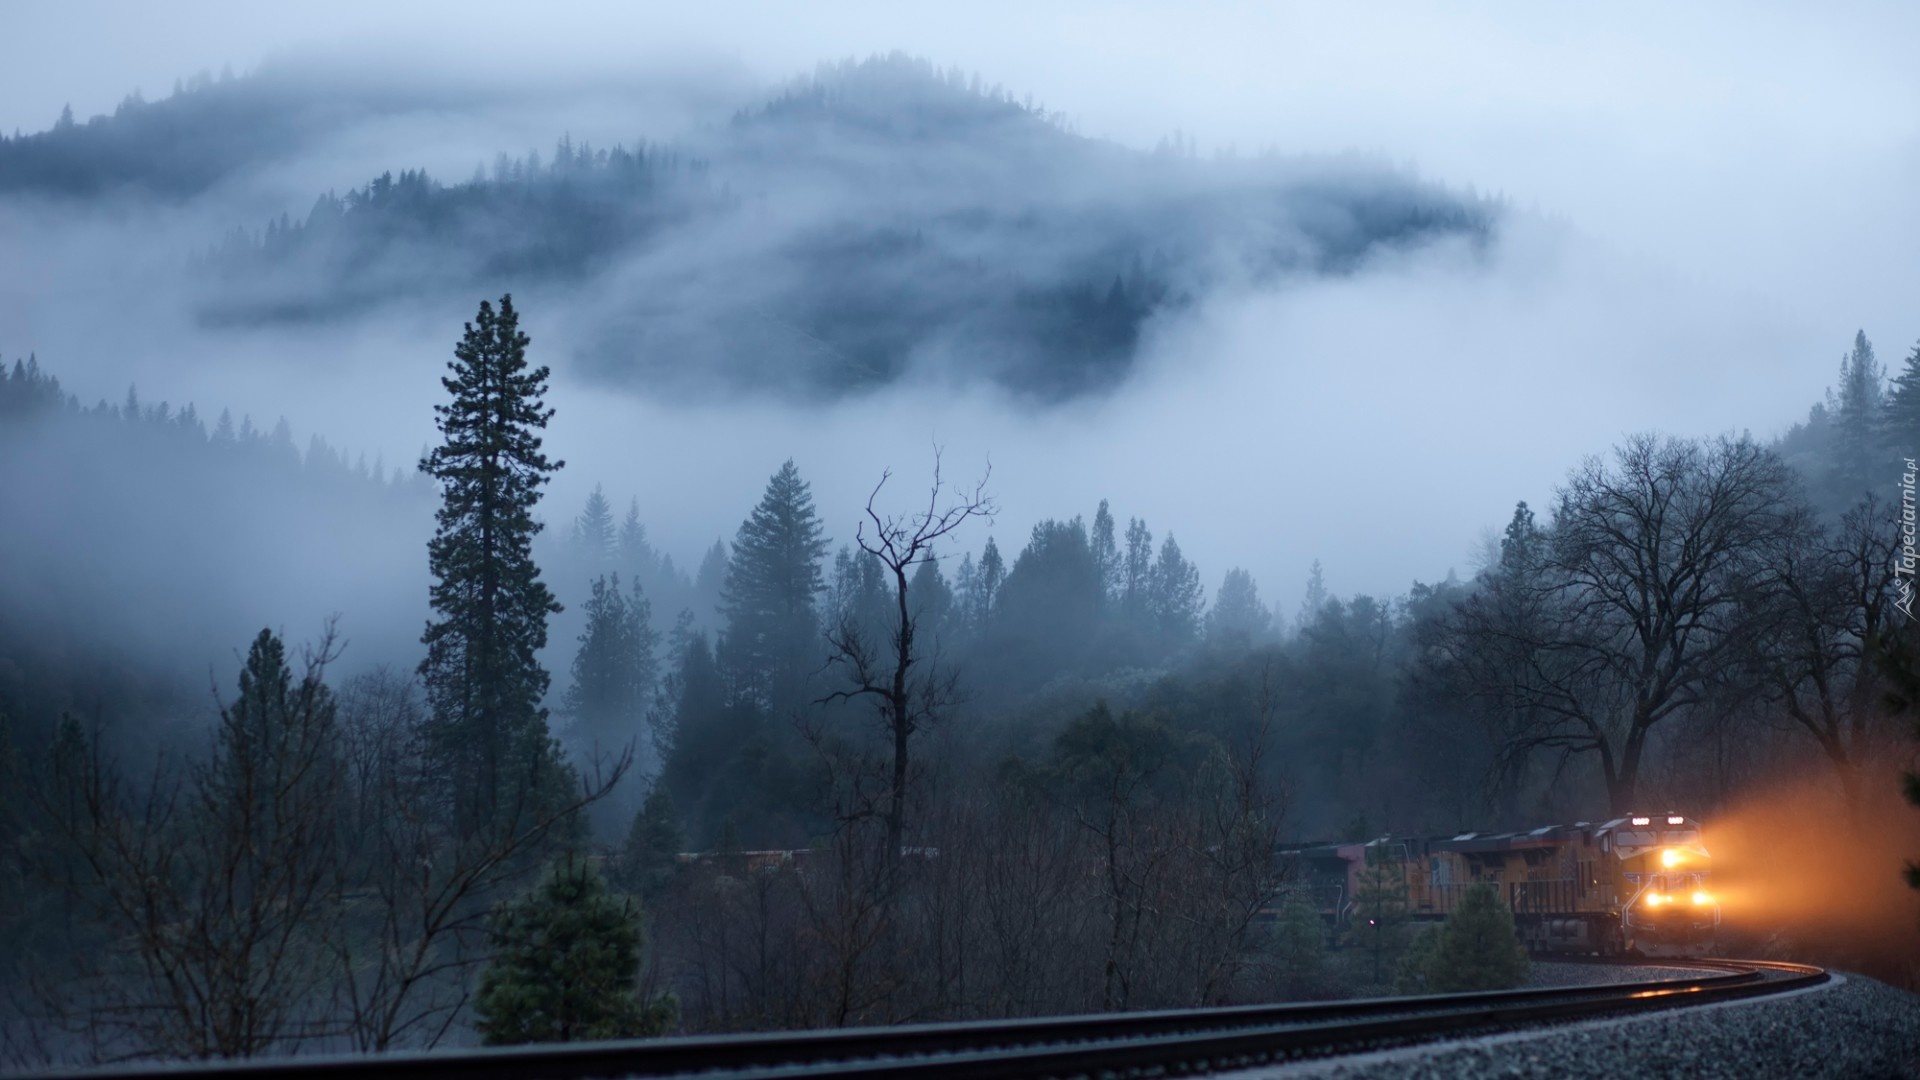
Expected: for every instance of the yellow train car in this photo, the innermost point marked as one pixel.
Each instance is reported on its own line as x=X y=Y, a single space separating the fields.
x=1636 y=884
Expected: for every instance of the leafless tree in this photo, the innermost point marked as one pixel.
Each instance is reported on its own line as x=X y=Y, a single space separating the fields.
x=1240 y=830
x=1635 y=607
x=1829 y=605
x=206 y=895
x=422 y=887
x=905 y=699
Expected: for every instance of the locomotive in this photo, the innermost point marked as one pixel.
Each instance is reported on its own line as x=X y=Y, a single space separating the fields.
x=1637 y=884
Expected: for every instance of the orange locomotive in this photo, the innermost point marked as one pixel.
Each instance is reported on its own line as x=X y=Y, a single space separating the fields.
x=1634 y=884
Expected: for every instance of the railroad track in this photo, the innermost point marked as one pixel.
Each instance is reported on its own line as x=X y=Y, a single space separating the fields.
x=1171 y=1043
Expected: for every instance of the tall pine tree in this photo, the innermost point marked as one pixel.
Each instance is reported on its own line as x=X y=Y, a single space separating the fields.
x=483 y=680
x=1317 y=598
x=771 y=595
x=635 y=553
x=991 y=573
x=1106 y=551
x=593 y=535
x=1136 y=572
x=1379 y=912
x=1238 y=617
x=1855 y=405
x=616 y=668
x=1175 y=597
x=932 y=601
x=1900 y=416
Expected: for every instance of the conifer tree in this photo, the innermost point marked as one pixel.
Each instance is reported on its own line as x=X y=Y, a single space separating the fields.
x=1299 y=948
x=277 y=748
x=1316 y=599
x=616 y=668
x=860 y=590
x=13 y=877
x=1106 y=552
x=702 y=738
x=482 y=675
x=1378 y=928
x=1856 y=407
x=932 y=599
x=1900 y=417
x=965 y=583
x=1477 y=948
x=1237 y=617
x=593 y=535
x=651 y=856
x=1175 y=596
x=989 y=575
x=773 y=584
x=1521 y=542
x=709 y=581
x=635 y=553
x=1416 y=963
x=1136 y=572
x=566 y=960
x=661 y=718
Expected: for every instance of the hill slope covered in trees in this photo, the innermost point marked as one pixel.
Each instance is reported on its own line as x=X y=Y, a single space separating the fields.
x=876 y=221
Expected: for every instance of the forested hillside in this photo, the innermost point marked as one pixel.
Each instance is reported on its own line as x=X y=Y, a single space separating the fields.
x=206 y=132
x=145 y=541
x=879 y=220
x=1679 y=628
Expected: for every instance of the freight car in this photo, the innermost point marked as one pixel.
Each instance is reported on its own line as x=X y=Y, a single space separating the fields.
x=1636 y=884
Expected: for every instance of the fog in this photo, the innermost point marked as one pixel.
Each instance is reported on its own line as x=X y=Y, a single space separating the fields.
x=1698 y=210
x=1795 y=866
x=1318 y=292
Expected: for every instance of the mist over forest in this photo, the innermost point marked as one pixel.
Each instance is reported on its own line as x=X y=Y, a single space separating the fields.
x=929 y=469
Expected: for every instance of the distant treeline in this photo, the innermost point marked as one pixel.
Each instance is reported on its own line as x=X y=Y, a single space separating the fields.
x=135 y=528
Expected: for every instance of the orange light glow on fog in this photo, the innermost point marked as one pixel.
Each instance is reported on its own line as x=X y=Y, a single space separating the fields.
x=1799 y=871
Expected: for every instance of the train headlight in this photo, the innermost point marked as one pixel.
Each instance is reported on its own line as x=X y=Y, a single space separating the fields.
x=1671 y=857
x=1655 y=899
x=1702 y=898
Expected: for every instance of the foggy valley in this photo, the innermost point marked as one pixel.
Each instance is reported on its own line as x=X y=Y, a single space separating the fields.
x=913 y=522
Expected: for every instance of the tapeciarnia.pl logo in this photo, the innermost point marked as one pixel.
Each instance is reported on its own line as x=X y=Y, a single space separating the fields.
x=1903 y=567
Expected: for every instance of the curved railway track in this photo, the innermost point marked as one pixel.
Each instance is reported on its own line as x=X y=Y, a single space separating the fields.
x=1180 y=1042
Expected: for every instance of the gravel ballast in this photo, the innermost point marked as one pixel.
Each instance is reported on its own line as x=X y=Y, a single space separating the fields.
x=1853 y=1028
x=1552 y=974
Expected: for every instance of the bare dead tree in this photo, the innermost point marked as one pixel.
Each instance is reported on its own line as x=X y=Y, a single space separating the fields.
x=905 y=699
x=206 y=895
x=1241 y=830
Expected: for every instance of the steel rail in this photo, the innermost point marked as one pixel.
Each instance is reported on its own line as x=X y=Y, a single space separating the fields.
x=1172 y=1042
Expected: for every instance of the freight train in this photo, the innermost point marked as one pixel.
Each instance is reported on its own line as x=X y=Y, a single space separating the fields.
x=1637 y=884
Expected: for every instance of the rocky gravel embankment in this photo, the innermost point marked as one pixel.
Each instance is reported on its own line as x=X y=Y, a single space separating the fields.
x=1547 y=974
x=1851 y=1029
